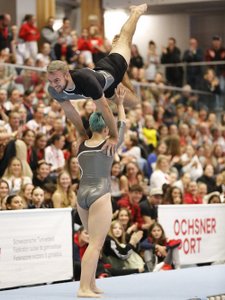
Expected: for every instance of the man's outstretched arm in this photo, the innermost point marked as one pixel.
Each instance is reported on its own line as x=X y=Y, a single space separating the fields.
x=72 y=114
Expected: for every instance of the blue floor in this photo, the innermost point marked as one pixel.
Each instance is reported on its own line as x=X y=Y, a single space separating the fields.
x=191 y=283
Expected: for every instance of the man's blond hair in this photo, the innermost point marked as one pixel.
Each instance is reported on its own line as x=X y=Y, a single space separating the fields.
x=57 y=65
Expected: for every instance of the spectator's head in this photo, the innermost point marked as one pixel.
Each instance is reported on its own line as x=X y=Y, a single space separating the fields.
x=29 y=137
x=88 y=107
x=15 y=168
x=156 y=196
x=29 y=97
x=4 y=192
x=37 y=196
x=58 y=141
x=117 y=232
x=213 y=198
x=193 y=43
x=40 y=141
x=175 y=195
x=192 y=188
x=130 y=141
x=14 y=120
x=157 y=234
x=124 y=217
x=116 y=169
x=5 y=20
x=135 y=194
x=202 y=189
x=132 y=169
x=49 y=189
x=171 y=43
x=162 y=163
x=63 y=181
x=3 y=96
x=26 y=190
x=209 y=170
x=216 y=42
x=43 y=169
x=83 y=236
x=14 y=202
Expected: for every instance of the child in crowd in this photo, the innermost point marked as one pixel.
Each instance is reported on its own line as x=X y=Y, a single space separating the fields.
x=159 y=252
x=122 y=255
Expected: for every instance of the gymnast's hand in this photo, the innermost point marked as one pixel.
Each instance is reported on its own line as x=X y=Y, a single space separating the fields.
x=110 y=146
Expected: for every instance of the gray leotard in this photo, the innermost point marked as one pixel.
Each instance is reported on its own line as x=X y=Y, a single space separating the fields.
x=95 y=168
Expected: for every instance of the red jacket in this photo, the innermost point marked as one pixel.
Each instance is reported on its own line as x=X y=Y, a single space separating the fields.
x=189 y=199
x=29 y=33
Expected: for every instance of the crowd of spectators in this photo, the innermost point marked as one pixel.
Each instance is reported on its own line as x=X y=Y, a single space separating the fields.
x=174 y=147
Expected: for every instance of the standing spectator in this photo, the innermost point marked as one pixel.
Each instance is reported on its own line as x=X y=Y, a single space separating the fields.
x=193 y=54
x=48 y=34
x=211 y=85
x=30 y=34
x=28 y=100
x=65 y=31
x=97 y=42
x=5 y=32
x=85 y=46
x=136 y=66
x=171 y=55
x=217 y=53
x=151 y=62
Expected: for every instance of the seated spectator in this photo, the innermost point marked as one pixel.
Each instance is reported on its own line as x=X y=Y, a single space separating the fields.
x=122 y=255
x=173 y=196
x=191 y=163
x=37 y=198
x=54 y=155
x=4 y=193
x=152 y=158
x=29 y=138
x=213 y=198
x=42 y=174
x=183 y=182
x=49 y=189
x=25 y=193
x=159 y=252
x=124 y=217
x=73 y=169
x=14 y=202
x=132 y=151
x=208 y=178
x=14 y=175
x=160 y=174
x=149 y=132
x=191 y=196
x=40 y=144
x=64 y=195
x=131 y=201
x=132 y=175
x=149 y=207
x=202 y=189
x=116 y=185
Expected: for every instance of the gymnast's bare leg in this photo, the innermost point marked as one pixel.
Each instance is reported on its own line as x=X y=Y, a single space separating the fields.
x=97 y=222
x=122 y=45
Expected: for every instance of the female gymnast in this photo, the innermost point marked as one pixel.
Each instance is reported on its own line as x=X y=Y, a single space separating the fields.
x=94 y=198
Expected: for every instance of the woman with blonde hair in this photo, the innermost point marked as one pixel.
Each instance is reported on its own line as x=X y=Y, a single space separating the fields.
x=14 y=175
x=64 y=195
x=160 y=175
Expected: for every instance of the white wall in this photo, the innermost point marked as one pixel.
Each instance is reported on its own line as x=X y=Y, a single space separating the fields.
x=24 y=7
x=157 y=27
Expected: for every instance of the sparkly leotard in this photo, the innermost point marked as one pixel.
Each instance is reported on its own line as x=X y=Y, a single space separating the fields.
x=95 y=168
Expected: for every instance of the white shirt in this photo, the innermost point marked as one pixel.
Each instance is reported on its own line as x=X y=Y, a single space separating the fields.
x=54 y=157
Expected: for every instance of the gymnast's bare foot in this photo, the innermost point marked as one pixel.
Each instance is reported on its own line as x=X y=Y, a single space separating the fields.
x=87 y=294
x=140 y=9
x=97 y=290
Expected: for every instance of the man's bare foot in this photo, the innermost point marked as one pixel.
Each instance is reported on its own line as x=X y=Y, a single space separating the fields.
x=87 y=294
x=140 y=9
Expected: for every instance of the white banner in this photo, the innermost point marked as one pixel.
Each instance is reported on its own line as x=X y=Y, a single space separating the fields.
x=200 y=227
x=35 y=247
